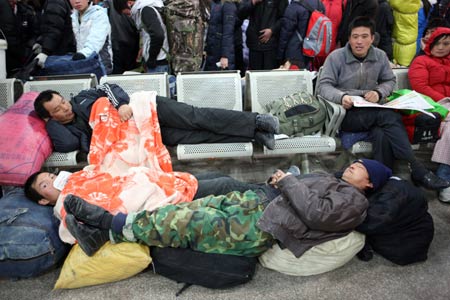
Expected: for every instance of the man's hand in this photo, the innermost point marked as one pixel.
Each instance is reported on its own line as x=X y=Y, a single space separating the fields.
x=265 y=36
x=372 y=96
x=41 y=58
x=276 y=177
x=37 y=48
x=125 y=112
x=347 y=102
x=254 y=2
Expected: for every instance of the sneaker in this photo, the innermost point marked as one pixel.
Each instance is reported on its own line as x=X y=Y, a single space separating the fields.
x=265 y=138
x=294 y=170
x=444 y=195
x=267 y=123
x=88 y=237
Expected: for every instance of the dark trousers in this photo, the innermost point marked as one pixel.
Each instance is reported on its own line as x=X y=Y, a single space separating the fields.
x=215 y=183
x=262 y=60
x=186 y=124
x=389 y=137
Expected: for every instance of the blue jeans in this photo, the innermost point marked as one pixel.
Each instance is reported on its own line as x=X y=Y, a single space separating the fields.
x=159 y=69
x=443 y=171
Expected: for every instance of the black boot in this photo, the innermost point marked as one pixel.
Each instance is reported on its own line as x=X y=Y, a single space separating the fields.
x=267 y=123
x=88 y=213
x=89 y=238
x=266 y=139
x=430 y=181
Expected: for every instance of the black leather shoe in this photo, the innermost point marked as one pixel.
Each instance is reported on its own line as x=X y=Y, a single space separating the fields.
x=266 y=139
x=89 y=238
x=431 y=181
x=87 y=213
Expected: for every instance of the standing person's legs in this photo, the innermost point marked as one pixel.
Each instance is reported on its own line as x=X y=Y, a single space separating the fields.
x=255 y=60
x=270 y=60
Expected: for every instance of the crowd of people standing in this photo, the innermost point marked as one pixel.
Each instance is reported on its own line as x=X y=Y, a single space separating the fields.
x=133 y=35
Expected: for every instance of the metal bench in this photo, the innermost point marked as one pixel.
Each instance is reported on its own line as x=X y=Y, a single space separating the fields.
x=131 y=83
x=212 y=89
x=67 y=85
x=10 y=91
x=263 y=87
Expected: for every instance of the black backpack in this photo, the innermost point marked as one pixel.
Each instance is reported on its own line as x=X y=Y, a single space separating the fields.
x=216 y=271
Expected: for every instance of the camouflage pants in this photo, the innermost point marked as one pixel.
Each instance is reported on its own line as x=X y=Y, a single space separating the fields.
x=213 y=224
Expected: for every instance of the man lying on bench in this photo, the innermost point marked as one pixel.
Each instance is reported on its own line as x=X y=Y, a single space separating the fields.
x=67 y=122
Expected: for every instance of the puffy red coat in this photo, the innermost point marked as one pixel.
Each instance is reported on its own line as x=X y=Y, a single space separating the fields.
x=430 y=75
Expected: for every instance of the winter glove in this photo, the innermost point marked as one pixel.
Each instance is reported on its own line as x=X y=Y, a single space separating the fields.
x=78 y=56
x=41 y=57
x=37 y=48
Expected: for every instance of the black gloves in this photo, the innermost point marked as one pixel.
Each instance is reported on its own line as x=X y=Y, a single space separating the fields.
x=78 y=56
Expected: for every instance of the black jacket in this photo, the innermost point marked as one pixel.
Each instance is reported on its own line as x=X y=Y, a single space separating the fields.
x=265 y=14
x=56 y=35
x=77 y=135
x=295 y=19
x=224 y=30
x=398 y=225
x=353 y=9
x=384 y=22
x=124 y=39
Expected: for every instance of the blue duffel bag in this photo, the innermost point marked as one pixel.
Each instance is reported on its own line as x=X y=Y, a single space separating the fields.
x=29 y=240
x=64 y=65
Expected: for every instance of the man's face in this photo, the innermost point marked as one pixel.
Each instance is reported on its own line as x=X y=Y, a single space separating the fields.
x=356 y=174
x=441 y=48
x=59 y=109
x=44 y=186
x=360 y=41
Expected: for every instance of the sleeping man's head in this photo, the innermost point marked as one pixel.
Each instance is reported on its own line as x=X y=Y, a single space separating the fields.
x=51 y=105
x=39 y=188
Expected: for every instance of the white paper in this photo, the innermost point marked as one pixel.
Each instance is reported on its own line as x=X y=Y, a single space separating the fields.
x=412 y=100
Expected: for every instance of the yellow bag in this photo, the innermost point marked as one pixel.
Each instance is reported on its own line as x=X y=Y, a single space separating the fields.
x=113 y=262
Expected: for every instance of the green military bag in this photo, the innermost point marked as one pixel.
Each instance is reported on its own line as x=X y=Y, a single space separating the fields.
x=299 y=114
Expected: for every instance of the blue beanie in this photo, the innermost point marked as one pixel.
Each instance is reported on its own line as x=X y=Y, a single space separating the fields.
x=378 y=173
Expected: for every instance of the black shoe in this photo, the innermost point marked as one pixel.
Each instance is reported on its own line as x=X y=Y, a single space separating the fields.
x=87 y=213
x=267 y=123
x=266 y=139
x=89 y=238
x=366 y=253
x=431 y=181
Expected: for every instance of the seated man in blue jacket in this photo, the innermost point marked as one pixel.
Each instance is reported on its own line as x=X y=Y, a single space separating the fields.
x=67 y=122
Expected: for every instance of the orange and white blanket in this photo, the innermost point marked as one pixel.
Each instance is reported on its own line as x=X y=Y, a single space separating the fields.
x=130 y=168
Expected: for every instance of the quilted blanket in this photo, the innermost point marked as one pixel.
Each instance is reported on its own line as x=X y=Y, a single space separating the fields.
x=129 y=167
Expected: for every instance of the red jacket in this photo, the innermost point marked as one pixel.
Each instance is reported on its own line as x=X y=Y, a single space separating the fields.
x=430 y=75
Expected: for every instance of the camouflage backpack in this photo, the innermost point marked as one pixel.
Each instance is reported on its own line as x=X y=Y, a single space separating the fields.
x=185 y=22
